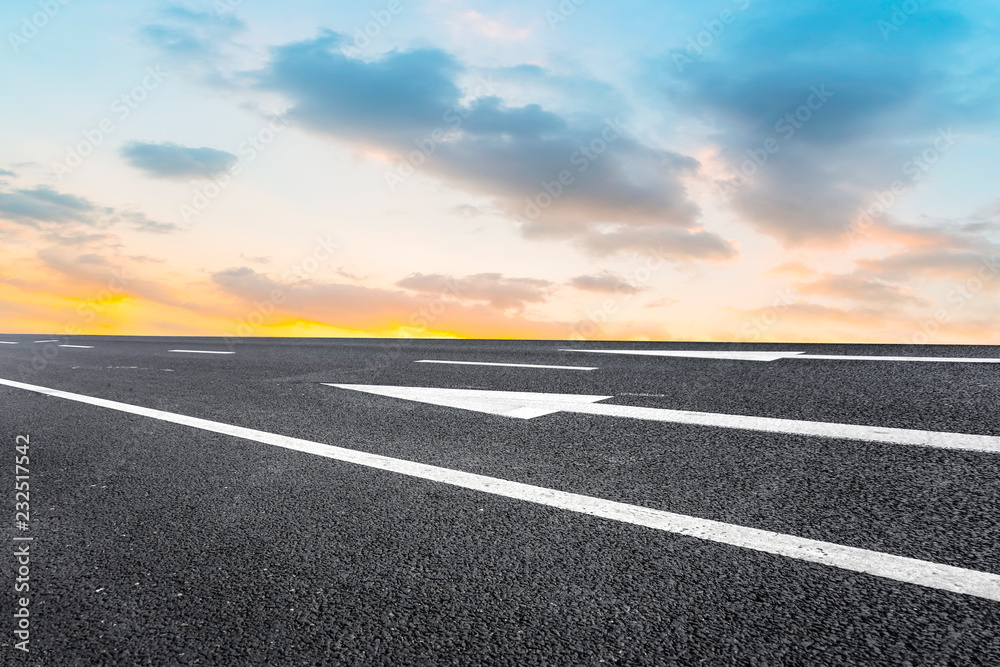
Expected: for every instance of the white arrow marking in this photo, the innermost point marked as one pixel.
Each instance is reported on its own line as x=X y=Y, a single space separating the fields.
x=775 y=356
x=889 y=566
x=526 y=405
x=701 y=354
x=494 y=363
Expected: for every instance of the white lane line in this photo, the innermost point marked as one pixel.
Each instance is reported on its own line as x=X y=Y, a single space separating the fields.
x=849 y=357
x=8 y=342
x=897 y=568
x=492 y=363
x=54 y=340
x=527 y=405
x=87 y=347
x=202 y=351
x=775 y=356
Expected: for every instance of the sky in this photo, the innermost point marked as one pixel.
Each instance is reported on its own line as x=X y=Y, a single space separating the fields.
x=731 y=170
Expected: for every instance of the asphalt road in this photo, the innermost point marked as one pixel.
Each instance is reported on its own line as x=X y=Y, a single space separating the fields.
x=156 y=543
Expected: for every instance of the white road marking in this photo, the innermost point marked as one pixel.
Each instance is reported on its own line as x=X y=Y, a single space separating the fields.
x=87 y=347
x=775 y=356
x=8 y=342
x=202 y=351
x=493 y=363
x=897 y=568
x=54 y=340
x=526 y=405
x=850 y=357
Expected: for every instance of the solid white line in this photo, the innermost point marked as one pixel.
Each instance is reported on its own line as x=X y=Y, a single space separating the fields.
x=8 y=342
x=492 y=363
x=847 y=357
x=775 y=356
x=528 y=405
x=202 y=351
x=54 y=340
x=89 y=347
x=897 y=436
x=898 y=568
x=700 y=354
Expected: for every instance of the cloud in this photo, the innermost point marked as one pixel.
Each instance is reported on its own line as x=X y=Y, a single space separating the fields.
x=668 y=244
x=492 y=288
x=844 y=109
x=480 y=24
x=409 y=104
x=859 y=288
x=34 y=206
x=5 y=172
x=174 y=161
x=374 y=310
x=66 y=219
x=954 y=263
x=792 y=269
x=604 y=282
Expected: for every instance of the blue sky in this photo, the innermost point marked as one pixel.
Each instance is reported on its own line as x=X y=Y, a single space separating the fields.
x=731 y=170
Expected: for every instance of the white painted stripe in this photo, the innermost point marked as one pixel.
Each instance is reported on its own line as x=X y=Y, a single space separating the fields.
x=203 y=351
x=54 y=340
x=700 y=354
x=89 y=347
x=8 y=342
x=492 y=363
x=527 y=405
x=775 y=356
x=847 y=357
x=897 y=568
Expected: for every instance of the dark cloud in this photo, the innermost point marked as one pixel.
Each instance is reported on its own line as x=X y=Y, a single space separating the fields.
x=42 y=204
x=409 y=104
x=668 y=244
x=604 y=282
x=67 y=218
x=492 y=288
x=876 y=102
x=174 y=161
